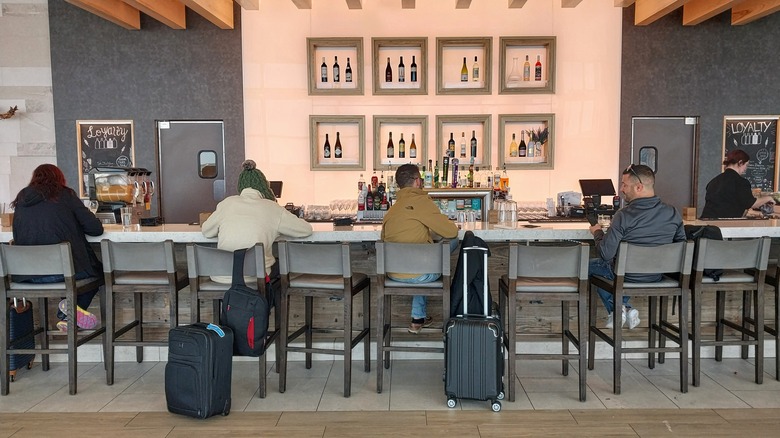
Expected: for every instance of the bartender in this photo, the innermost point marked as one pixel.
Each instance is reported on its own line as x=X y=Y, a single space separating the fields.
x=729 y=194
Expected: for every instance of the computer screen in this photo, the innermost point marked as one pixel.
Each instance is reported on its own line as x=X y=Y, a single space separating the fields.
x=276 y=187
x=592 y=187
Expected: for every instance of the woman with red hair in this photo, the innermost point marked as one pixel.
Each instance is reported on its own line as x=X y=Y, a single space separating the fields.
x=47 y=212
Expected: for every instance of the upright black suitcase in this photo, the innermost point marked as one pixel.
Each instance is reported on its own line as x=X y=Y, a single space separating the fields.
x=20 y=321
x=199 y=370
x=473 y=350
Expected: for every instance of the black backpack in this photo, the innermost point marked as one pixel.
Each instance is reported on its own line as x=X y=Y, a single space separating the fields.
x=695 y=232
x=245 y=311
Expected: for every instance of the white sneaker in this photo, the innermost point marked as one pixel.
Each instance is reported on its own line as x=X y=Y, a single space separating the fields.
x=610 y=323
x=633 y=318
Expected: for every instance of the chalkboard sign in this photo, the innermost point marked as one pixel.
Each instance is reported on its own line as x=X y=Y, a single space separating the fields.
x=103 y=143
x=756 y=135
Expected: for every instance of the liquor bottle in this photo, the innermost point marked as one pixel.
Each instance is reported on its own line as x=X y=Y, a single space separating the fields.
x=388 y=71
x=526 y=70
x=538 y=68
x=336 y=70
x=327 y=147
x=369 y=200
x=337 y=148
x=374 y=180
x=513 y=147
x=402 y=147
x=496 y=179
x=361 y=183
x=362 y=196
x=378 y=200
x=477 y=177
x=413 y=149
x=464 y=71
x=390 y=148
x=454 y=173
x=348 y=72
x=324 y=71
x=436 y=175
x=522 y=149
x=428 y=180
x=413 y=70
x=470 y=176
x=504 y=182
x=462 y=145
x=473 y=144
x=475 y=71
x=401 y=70
x=384 y=204
x=451 y=147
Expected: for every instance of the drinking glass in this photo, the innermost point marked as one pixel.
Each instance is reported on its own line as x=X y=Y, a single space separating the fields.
x=93 y=206
x=127 y=217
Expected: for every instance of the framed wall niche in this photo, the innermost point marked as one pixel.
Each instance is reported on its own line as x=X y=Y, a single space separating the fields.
x=324 y=54
x=526 y=141
x=337 y=142
x=389 y=54
x=461 y=128
x=412 y=129
x=450 y=56
x=540 y=55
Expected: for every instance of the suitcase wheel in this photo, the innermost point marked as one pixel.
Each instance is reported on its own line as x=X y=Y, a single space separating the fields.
x=496 y=406
x=500 y=396
x=452 y=402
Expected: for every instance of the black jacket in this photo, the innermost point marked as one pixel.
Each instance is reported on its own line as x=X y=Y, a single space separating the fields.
x=38 y=221
x=475 y=278
x=728 y=195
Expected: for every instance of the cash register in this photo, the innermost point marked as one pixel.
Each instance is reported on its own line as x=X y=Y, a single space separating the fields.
x=594 y=192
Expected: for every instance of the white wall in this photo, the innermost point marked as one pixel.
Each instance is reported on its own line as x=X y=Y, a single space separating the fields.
x=586 y=103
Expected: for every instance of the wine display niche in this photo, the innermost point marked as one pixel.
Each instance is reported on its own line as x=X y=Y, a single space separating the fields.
x=337 y=142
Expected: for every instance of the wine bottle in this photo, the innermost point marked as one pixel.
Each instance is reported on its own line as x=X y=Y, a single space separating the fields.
x=413 y=70
x=390 y=148
x=462 y=145
x=436 y=175
x=464 y=71
x=388 y=71
x=327 y=147
x=337 y=148
x=522 y=149
x=451 y=147
x=513 y=147
x=526 y=70
x=475 y=71
x=348 y=72
x=531 y=148
x=401 y=70
x=402 y=147
x=324 y=71
x=538 y=68
x=473 y=144
x=413 y=149
x=336 y=70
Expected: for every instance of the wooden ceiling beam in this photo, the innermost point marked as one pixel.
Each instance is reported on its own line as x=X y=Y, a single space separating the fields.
x=647 y=11
x=115 y=11
x=355 y=4
x=462 y=4
x=302 y=4
x=219 y=12
x=623 y=3
x=249 y=5
x=516 y=3
x=697 y=11
x=751 y=10
x=408 y=4
x=169 y=12
x=570 y=3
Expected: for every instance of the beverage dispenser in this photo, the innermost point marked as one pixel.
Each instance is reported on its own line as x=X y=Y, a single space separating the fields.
x=117 y=187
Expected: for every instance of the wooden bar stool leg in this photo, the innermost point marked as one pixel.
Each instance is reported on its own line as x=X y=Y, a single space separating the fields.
x=759 y=312
x=5 y=339
x=110 y=337
x=388 y=330
x=347 y=342
x=139 y=328
x=592 y=299
x=284 y=311
x=696 y=329
x=746 y=298
x=367 y=329
x=564 y=339
x=663 y=319
x=309 y=305
x=380 y=336
x=43 y=309
x=194 y=303
x=720 y=304
x=683 y=327
x=617 y=350
x=512 y=336
x=582 y=330
x=652 y=305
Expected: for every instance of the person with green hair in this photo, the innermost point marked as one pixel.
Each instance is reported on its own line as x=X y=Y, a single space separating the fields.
x=253 y=216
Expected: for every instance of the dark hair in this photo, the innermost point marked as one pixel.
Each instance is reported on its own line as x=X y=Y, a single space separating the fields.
x=406 y=174
x=48 y=180
x=736 y=156
x=642 y=173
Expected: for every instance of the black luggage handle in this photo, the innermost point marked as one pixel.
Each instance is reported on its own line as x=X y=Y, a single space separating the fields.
x=484 y=277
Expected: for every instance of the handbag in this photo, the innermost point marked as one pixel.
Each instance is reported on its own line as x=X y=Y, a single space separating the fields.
x=246 y=312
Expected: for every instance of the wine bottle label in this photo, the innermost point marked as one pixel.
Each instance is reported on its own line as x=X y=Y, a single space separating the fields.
x=338 y=151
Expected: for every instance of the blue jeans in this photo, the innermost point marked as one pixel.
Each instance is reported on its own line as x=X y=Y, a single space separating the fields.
x=603 y=268
x=82 y=300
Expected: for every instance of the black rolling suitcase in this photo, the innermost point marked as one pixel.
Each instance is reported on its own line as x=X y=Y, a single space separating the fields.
x=473 y=350
x=20 y=321
x=199 y=370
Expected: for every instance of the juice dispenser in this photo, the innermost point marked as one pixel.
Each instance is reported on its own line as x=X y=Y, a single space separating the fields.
x=117 y=187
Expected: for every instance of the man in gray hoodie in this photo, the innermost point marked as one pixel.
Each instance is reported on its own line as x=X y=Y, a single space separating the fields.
x=645 y=220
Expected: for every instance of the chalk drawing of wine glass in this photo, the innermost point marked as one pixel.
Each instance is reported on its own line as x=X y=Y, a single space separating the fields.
x=762 y=155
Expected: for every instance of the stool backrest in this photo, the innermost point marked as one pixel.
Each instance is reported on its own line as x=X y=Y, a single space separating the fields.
x=413 y=258
x=733 y=254
x=53 y=259
x=314 y=258
x=548 y=261
x=138 y=256
x=659 y=259
x=204 y=261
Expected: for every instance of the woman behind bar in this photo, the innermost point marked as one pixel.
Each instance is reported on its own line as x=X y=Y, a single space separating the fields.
x=729 y=194
x=251 y=217
x=48 y=212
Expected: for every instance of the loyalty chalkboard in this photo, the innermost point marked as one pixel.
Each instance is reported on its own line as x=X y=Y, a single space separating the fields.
x=758 y=137
x=103 y=143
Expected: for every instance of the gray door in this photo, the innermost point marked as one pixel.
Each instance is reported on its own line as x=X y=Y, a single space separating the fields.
x=192 y=168
x=669 y=146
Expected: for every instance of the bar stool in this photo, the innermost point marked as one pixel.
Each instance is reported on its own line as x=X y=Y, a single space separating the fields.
x=673 y=258
x=410 y=258
x=320 y=270
x=734 y=257
x=204 y=262
x=549 y=273
x=773 y=279
x=44 y=260
x=138 y=268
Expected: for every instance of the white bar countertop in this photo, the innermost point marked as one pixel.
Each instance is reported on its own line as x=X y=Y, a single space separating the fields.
x=326 y=232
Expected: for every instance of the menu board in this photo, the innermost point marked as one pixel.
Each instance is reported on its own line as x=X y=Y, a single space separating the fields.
x=756 y=135
x=103 y=143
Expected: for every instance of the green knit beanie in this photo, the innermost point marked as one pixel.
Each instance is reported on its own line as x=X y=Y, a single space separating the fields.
x=253 y=178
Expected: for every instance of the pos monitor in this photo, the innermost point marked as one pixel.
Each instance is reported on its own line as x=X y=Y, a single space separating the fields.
x=595 y=189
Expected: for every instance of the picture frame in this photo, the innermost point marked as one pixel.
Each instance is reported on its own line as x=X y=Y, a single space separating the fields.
x=480 y=124
x=327 y=51
x=103 y=143
x=513 y=78
x=543 y=153
x=415 y=77
x=452 y=54
x=414 y=127
x=346 y=131
x=756 y=135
